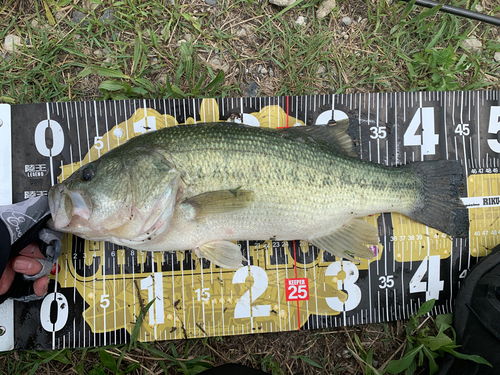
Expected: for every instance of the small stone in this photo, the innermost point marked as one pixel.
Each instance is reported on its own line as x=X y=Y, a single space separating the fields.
x=321 y=70
x=282 y=3
x=347 y=21
x=162 y=79
x=89 y=5
x=325 y=8
x=263 y=70
x=211 y=2
x=301 y=20
x=497 y=56
x=98 y=53
x=241 y=32
x=188 y=37
x=271 y=72
x=78 y=16
x=180 y=42
x=77 y=36
x=60 y=15
x=479 y=8
x=472 y=44
x=12 y=42
x=154 y=62
x=108 y=16
x=34 y=24
x=108 y=60
x=217 y=64
x=251 y=90
x=346 y=354
x=259 y=68
x=346 y=36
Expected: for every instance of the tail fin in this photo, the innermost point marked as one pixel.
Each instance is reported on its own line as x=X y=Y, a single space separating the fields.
x=441 y=207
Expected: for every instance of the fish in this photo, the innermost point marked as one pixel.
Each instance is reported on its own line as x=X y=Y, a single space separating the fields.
x=202 y=187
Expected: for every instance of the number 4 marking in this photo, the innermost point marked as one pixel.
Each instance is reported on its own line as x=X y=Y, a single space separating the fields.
x=429 y=139
x=434 y=285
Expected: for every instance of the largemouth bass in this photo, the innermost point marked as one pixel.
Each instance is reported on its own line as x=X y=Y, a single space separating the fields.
x=203 y=186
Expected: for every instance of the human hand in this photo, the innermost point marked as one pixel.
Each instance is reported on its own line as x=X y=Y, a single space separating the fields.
x=27 y=265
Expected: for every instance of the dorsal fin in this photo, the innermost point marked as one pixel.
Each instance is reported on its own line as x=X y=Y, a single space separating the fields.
x=335 y=134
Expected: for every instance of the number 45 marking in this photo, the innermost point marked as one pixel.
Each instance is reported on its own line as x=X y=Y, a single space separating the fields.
x=434 y=285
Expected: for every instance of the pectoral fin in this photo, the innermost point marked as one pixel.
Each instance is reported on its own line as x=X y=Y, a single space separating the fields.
x=220 y=201
x=350 y=240
x=225 y=254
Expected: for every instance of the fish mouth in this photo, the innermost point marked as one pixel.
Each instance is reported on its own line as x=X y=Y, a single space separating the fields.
x=64 y=204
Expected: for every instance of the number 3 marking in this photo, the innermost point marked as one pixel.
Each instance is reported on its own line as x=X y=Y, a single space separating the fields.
x=353 y=291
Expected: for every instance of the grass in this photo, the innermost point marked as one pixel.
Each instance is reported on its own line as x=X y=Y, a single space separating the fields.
x=390 y=46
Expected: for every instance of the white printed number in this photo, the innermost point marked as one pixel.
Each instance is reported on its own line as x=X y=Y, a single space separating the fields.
x=104 y=300
x=49 y=322
x=52 y=132
x=386 y=281
x=347 y=284
x=154 y=286
x=246 y=307
x=203 y=294
x=430 y=266
x=494 y=128
x=462 y=129
x=98 y=144
x=378 y=132
x=429 y=139
x=297 y=291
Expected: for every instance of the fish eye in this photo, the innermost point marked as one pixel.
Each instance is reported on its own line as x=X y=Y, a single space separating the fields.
x=88 y=172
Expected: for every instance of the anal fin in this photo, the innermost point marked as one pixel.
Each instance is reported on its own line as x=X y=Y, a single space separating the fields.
x=225 y=254
x=350 y=240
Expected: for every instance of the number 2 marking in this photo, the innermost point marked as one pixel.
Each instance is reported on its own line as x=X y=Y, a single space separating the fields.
x=242 y=309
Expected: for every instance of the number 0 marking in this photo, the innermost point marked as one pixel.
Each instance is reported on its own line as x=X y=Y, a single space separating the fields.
x=62 y=310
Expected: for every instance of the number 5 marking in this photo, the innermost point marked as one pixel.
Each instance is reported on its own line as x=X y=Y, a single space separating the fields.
x=353 y=291
x=494 y=128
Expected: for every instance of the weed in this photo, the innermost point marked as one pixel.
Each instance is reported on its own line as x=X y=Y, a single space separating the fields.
x=270 y=364
x=420 y=344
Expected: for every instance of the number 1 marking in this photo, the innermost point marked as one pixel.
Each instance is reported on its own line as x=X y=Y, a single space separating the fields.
x=155 y=291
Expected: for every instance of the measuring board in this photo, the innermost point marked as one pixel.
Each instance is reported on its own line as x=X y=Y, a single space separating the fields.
x=100 y=287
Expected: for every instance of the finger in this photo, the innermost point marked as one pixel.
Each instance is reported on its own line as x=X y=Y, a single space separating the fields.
x=41 y=285
x=32 y=251
x=26 y=265
x=7 y=279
